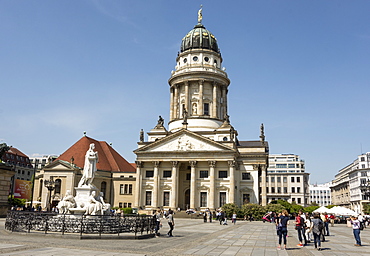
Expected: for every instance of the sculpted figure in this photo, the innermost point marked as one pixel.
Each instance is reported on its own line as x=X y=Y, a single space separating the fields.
x=94 y=207
x=106 y=207
x=160 y=122
x=67 y=203
x=91 y=159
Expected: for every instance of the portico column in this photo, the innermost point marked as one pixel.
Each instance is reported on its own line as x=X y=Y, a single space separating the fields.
x=201 y=112
x=214 y=100
x=232 y=181
x=192 y=184
x=174 y=189
x=263 y=185
x=171 y=103
x=176 y=104
x=156 y=184
x=139 y=165
x=187 y=96
x=224 y=103
x=212 y=165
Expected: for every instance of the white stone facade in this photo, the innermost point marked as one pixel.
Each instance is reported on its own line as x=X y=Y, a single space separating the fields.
x=321 y=194
x=287 y=179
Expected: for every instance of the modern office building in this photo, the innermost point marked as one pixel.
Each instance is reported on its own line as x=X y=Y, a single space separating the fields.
x=321 y=194
x=287 y=179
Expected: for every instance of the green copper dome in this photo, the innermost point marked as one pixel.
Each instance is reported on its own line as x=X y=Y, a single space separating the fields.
x=199 y=38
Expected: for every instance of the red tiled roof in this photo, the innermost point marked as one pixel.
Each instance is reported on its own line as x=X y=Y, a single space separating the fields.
x=16 y=151
x=109 y=159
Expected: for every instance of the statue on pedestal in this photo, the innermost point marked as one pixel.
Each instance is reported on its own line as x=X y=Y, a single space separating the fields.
x=91 y=159
x=67 y=203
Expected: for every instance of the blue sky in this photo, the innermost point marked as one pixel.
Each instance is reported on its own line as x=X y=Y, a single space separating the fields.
x=300 y=67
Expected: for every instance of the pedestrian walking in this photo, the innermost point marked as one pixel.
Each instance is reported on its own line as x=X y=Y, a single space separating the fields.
x=171 y=222
x=317 y=227
x=299 y=226
x=356 y=229
x=282 y=228
x=308 y=230
x=157 y=218
x=233 y=218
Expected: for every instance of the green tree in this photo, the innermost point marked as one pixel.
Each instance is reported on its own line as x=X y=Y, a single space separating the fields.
x=311 y=208
x=16 y=201
x=274 y=208
x=255 y=209
x=285 y=204
x=229 y=209
x=330 y=206
x=367 y=208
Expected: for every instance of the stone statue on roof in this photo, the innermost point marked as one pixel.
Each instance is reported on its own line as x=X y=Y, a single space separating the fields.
x=160 y=122
x=91 y=159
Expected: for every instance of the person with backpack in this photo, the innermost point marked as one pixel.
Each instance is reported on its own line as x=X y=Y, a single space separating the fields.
x=282 y=228
x=300 y=227
x=317 y=227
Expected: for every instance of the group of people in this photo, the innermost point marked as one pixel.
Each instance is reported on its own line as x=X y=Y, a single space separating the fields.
x=168 y=215
x=310 y=227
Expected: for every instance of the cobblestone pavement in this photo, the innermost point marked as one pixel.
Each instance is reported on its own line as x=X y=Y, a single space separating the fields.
x=191 y=237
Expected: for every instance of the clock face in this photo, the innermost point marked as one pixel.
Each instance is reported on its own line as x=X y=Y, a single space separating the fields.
x=195 y=58
x=206 y=59
x=185 y=60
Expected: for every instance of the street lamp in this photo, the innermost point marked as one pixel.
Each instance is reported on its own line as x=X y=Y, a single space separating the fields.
x=50 y=185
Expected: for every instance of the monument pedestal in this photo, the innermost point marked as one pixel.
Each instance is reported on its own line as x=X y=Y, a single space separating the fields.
x=82 y=195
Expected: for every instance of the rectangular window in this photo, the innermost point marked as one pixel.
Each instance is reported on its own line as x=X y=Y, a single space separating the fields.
x=281 y=165
x=148 y=198
x=166 y=198
x=285 y=190
x=203 y=174
x=246 y=176
x=298 y=179
x=298 y=200
x=298 y=190
x=279 y=179
x=124 y=205
x=203 y=199
x=246 y=198
x=222 y=198
x=292 y=179
x=130 y=189
x=120 y=205
x=272 y=179
x=267 y=179
x=121 y=189
x=293 y=189
x=272 y=189
x=129 y=205
x=291 y=165
x=188 y=176
x=126 y=189
x=279 y=190
x=222 y=174
x=206 y=109
x=285 y=179
x=149 y=174
x=267 y=189
x=167 y=174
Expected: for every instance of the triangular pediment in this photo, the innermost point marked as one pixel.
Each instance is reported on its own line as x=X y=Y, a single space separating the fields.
x=184 y=141
x=60 y=166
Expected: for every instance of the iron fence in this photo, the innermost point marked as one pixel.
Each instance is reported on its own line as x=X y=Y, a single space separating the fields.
x=22 y=221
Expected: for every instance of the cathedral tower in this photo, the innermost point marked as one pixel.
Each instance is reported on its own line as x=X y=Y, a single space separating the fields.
x=199 y=84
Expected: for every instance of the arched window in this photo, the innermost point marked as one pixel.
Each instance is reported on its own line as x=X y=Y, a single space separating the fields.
x=58 y=186
x=103 y=188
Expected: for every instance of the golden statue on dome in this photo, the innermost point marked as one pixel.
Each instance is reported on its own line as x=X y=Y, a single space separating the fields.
x=200 y=15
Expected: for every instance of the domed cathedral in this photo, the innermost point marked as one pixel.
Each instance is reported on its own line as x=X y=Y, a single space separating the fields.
x=198 y=162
